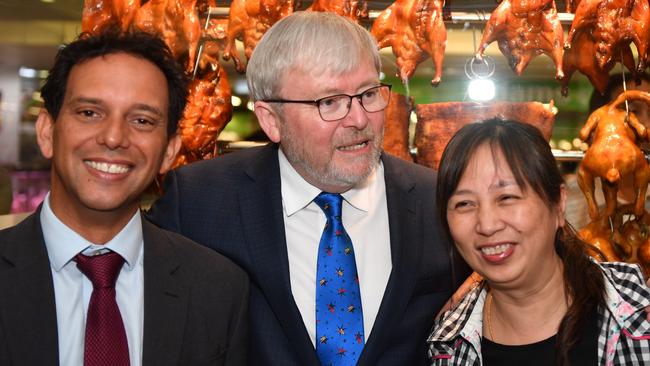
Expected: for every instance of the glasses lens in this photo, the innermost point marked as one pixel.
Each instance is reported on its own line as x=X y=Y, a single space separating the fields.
x=375 y=99
x=334 y=108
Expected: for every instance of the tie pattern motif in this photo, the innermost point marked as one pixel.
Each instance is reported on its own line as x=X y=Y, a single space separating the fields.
x=105 y=343
x=339 y=317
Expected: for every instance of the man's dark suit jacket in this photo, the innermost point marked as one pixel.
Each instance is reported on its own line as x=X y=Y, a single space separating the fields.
x=195 y=301
x=233 y=204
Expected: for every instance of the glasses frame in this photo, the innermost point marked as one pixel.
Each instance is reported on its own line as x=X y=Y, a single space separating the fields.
x=316 y=102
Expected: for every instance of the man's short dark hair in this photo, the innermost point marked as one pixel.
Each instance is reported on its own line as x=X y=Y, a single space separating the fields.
x=111 y=41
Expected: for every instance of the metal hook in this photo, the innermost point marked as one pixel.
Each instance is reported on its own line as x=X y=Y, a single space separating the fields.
x=199 y=53
x=489 y=67
x=627 y=106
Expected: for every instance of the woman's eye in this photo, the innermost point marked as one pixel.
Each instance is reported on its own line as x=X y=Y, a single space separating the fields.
x=507 y=198
x=462 y=205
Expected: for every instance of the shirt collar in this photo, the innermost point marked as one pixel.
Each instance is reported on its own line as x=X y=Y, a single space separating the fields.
x=297 y=193
x=626 y=292
x=63 y=243
x=464 y=320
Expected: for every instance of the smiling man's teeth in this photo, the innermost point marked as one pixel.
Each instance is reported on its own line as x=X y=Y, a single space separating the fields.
x=495 y=250
x=353 y=147
x=108 y=168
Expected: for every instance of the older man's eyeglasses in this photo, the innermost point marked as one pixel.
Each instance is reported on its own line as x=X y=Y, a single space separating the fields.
x=336 y=107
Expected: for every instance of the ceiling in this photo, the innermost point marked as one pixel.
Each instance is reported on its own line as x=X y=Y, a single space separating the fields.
x=26 y=10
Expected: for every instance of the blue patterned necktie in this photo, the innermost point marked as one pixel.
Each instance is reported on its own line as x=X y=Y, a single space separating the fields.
x=339 y=319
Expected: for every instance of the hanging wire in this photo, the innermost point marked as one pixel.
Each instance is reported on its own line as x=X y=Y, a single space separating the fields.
x=201 y=45
x=627 y=106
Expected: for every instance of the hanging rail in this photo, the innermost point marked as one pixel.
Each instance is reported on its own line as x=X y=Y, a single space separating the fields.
x=455 y=16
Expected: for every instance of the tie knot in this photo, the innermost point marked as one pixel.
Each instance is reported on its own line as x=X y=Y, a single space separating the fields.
x=330 y=203
x=101 y=270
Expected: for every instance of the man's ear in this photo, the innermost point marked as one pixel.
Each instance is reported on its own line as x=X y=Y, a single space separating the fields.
x=269 y=120
x=173 y=145
x=45 y=133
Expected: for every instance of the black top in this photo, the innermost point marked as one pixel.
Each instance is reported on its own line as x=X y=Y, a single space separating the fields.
x=543 y=353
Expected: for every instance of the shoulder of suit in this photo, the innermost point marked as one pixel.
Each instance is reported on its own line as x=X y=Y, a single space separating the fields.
x=22 y=240
x=26 y=225
x=234 y=161
x=203 y=259
x=420 y=173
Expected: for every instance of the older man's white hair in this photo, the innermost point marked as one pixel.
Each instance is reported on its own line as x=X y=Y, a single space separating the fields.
x=314 y=42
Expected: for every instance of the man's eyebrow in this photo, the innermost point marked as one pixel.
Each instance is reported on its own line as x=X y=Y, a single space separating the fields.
x=85 y=100
x=139 y=106
x=335 y=91
x=149 y=108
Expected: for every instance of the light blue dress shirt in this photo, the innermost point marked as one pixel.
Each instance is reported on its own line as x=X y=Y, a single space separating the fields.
x=72 y=289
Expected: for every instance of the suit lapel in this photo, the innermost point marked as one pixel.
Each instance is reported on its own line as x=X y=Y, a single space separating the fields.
x=27 y=308
x=260 y=201
x=165 y=300
x=403 y=216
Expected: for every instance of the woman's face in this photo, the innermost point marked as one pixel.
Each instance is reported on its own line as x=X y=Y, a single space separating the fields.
x=504 y=232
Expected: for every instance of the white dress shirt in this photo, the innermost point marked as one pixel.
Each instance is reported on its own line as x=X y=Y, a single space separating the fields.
x=72 y=289
x=365 y=218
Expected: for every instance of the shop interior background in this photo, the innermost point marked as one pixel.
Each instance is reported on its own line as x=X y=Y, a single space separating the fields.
x=31 y=31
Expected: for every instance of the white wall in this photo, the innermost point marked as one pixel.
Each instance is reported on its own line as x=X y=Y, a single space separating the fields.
x=9 y=115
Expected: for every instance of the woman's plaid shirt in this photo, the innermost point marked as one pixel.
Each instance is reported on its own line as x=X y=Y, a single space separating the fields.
x=624 y=333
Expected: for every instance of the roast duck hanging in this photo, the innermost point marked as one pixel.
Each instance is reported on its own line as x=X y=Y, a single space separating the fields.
x=619 y=232
x=600 y=36
x=524 y=29
x=415 y=30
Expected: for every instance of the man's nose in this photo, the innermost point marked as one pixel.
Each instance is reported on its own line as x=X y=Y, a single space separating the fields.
x=357 y=116
x=114 y=133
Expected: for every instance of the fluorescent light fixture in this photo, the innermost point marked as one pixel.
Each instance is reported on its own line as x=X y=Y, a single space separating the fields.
x=26 y=72
x=30 y=73
x=481 y=90
x=240 y=87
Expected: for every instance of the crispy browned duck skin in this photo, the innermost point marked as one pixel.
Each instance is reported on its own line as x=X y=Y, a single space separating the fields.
x=415 y=30
x=620 y=239
x=250 y=19
x=614 y=153
x=396 y=128
x=437 y=122
x=523 y=30
x=572 y=5
x=353 y=9
x=208 y=110
x=580 y=57
x=177 y=22
x=613 y=24
x=97 y=14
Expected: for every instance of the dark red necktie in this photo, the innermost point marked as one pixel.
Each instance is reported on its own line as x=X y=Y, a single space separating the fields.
x=106 y=342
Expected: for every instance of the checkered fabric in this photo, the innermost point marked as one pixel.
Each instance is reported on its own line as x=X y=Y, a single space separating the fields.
x=624 y=336
x=105 y=341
